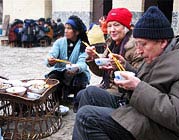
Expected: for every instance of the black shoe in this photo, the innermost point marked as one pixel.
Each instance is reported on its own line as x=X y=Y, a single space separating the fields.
x=75 y=107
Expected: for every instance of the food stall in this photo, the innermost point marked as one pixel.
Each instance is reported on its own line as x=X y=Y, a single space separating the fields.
x=28 y=110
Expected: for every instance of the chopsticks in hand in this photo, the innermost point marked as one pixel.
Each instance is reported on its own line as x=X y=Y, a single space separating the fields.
x=86 y=44
x=63 y=61
x=119 y=66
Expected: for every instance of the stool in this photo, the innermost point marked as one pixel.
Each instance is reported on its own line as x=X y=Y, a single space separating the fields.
x=13 y=44
x=4 y=42
x=43 y=43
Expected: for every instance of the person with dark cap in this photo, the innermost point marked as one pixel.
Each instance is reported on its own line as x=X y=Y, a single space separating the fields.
x=28 y=33
x=153 y=109
x=48 y=32
x=14 y=35
x=59 y=32
x=45 y=31
x=69 y=48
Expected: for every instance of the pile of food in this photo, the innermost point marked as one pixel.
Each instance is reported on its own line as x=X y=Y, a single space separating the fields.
x=17 y=90
x=38 y=86
x=20 y=87
x=4 y=86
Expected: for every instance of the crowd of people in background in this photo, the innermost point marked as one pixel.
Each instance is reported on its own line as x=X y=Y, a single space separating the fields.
x=29 y=32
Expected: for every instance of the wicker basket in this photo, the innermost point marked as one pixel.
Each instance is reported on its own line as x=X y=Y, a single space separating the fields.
x=23 y=118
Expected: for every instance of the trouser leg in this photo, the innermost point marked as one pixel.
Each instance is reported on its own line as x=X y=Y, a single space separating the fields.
x=93 y=95
x=57 y=94
x=77 y=100
x=95 y=123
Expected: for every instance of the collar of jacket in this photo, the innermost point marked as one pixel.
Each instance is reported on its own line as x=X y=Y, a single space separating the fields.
x=172 y=45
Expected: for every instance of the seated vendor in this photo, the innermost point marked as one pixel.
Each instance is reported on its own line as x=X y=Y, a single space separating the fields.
x=70 y=49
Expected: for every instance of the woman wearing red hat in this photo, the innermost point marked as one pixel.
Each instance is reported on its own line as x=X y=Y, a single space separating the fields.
x=118 y=26
x=121 y=43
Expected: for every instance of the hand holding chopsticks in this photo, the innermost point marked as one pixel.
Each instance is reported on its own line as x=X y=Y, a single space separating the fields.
x=52 y=61
x=88 y=46
x=119 y=65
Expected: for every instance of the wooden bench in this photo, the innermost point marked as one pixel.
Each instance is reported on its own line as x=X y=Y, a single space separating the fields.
x=4 y=42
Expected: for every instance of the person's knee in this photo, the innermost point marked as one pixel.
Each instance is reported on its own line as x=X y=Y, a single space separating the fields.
x=92 y=114
x=91 y=90
x=80 y=93
x=84 y=92
x=82 y=114
x=89 y=111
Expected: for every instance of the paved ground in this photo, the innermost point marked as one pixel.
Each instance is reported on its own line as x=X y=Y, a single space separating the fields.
x=28 y=63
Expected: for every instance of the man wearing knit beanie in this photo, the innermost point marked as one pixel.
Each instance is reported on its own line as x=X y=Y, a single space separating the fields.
x=153 y=25
x=153 y=109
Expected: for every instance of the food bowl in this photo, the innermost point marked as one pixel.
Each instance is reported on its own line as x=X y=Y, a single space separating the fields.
x=36 y=88
x=118 y=75
x=102 y=61
x=64 y=110
x=4 y=86
x=33 y=95
x=72 y=67
x=16 y=90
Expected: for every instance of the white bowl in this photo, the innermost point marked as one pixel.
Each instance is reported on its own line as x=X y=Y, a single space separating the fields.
x=118 y=75
x=16 y=90
x=72 y=67
x=38 y=88
x=33 y=95
x=102 y=61
x=64 y=110
x=4 y=86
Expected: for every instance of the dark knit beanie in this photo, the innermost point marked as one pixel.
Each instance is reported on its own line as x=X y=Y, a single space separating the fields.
x=42 y=19
x=153 y=25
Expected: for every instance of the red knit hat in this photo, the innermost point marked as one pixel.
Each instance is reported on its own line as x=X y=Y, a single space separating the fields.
x=121 y=15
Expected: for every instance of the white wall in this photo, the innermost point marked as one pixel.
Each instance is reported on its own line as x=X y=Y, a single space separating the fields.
x=132 y=5
x=23 y=9
x=71 y=5
x=176 y=5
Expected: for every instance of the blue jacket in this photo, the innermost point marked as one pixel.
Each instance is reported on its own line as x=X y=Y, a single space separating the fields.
x=59 y=51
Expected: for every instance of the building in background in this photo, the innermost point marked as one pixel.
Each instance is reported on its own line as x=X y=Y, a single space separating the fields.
x=88 y=10
x=1 y=11
x=23 y=9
